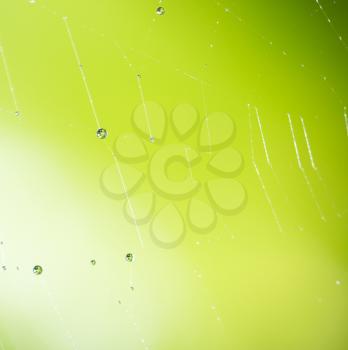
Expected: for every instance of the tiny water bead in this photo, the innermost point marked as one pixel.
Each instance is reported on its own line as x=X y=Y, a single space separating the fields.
x=4 y=267
x=93 y=262
x=37 y=270
x=130 y=257
x=17 y=113
x=160 y=11
x=152 y=139
x=102 y=133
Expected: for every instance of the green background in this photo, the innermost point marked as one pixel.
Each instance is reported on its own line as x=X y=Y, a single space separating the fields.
x=243 y=286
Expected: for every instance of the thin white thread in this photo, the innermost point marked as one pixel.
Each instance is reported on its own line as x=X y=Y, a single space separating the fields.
x=123 y=184
x=125 y=191
x=309 y=186
x=268 y=158
x=264 y=189
x=315 y=168
x=146 y=112
x=9 y=80
x=263 y=138
x=83 y=75
x=328 y=19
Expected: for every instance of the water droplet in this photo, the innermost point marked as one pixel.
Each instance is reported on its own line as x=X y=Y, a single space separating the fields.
x=4 y=268
x=37 y=270
x=132 y=288
x=130 y=257
x=152 y=139
x=102 y=133
x=17 y=113
x=338 y=282
x=93 y=262
x=160 y=11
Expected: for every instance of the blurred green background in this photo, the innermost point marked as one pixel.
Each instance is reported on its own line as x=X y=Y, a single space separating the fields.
x=273 y=275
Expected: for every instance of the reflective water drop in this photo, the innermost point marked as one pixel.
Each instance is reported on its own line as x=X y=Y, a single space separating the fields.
x=130 y=257
x=37 y=270
x=4 y=268
x=102 y=133
x=17 y=113
x=152 y=139
x=160 y=11
x=93 y=262
x=338 y=282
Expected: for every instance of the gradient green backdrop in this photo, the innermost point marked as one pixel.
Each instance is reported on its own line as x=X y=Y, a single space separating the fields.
x=243 y=286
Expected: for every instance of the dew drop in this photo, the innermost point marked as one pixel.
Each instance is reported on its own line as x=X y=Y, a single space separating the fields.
x=102 y=133
x=37 y=270
x=130 y=257
x=4 y=267
x=160 y=11
x=93 y=262
x=17 y=113
x=152 y=139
